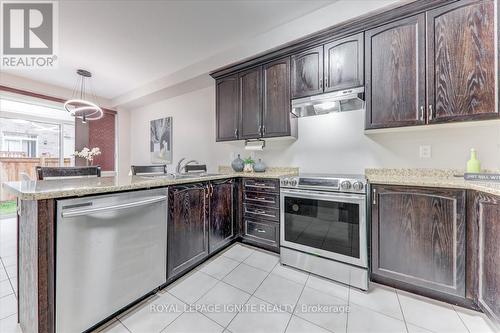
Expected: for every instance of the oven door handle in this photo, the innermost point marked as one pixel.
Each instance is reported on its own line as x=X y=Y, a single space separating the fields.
x=329 y=195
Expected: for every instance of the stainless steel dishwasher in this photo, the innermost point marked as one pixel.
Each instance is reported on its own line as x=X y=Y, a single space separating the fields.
x=110 y=251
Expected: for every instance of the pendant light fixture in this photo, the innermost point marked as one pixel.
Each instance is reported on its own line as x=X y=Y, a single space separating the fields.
x=81 y=106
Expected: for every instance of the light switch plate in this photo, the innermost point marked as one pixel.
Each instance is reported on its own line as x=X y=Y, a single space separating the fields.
x=425 y=151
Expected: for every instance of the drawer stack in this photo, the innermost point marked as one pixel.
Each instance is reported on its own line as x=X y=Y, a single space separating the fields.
x=261 y=212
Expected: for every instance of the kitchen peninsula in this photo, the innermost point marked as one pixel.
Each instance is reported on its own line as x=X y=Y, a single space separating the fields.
x=207 y=204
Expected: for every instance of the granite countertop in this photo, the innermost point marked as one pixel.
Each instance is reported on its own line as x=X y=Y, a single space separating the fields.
x=60 y=188
x=446 y=178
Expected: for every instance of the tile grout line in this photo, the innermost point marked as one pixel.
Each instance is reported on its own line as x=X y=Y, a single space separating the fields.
x=401 y=309
x=305 y=285
x=349 y=307
x=251 y=295
x=378 y=311
x=409 y=323
x=221 y=281
x=123 y=324
x=8 y=279
x=218 y=281
x=164 y=328
x=463 y=322
x=295 y=306
x=195 y=301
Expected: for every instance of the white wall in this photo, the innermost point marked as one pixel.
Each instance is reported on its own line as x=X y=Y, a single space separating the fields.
x=196 y=74
x=193 y=124
x=123 y=141
x=328 y=143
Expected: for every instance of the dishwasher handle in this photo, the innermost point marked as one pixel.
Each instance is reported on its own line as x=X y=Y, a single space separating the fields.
x=82 y=212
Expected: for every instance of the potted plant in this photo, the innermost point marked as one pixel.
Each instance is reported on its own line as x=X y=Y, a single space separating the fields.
x=88 y=154
x=248 y=164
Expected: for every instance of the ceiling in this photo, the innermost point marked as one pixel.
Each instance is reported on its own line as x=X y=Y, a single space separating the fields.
x=127 y=44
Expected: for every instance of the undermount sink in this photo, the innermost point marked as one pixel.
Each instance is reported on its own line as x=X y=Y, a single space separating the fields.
x=183 y=175
x=194 y=175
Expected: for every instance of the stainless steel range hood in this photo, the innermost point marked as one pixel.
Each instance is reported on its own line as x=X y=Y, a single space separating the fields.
x=338 y=101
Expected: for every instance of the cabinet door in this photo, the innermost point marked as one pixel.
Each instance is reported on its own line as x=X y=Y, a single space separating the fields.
x=418 y=239
x=250 y=103
x=276 y=113
x=307 y=73
x=484 y=242
x=227 y=108
x=187 y=227
x=221 y=230
x=395 y=74
x=461 y=61
x=344 y=61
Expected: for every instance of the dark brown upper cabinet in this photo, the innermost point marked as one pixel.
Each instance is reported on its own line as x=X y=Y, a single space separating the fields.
x=395 y=74
x=344 y=59
x=459 y=81
x=221 y=229
x=334 y=66
x=307 y=72
x=461 y=66
x=227 y=105
x=483 y=239
x=418 y=239
x=250 y=83
x=262 y=99
x=276 y=111
x=187 y=227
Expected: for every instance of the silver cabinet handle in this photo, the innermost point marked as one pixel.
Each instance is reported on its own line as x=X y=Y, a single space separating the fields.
x=260 y=199
x=262 y=231
x=431 y=112
x=259 y=212
x=81 y=212
x=263 y=185
x=236 y=133
x=320 y=83
x=374 y=191
x=422 y=113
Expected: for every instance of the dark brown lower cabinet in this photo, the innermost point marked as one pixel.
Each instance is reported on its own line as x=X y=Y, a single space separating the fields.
x=483 y=239
x=418 y=240
x=187 y=227
x=201 y=221
x=221 y=229
x=260 y=213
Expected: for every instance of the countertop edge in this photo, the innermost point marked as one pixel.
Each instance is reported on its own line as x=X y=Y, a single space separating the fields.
x=145 y=184
x=459 y=183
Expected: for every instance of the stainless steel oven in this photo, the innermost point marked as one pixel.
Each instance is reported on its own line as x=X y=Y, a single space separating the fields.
x=323 y=226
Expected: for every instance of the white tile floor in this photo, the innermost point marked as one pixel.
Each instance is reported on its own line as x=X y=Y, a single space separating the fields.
x=257 y=294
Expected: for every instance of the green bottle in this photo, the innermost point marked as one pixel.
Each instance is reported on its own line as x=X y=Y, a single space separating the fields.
x=473 y=165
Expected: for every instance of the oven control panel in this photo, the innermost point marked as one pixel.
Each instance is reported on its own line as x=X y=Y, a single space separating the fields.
x=334 y=184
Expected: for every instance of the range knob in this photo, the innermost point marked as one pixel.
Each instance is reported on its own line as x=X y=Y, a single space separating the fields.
x=345 y=185
x=293 y=182
x=284 y=181
x=358 y=186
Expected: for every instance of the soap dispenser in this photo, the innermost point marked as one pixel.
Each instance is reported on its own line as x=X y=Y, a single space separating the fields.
x=473 y=165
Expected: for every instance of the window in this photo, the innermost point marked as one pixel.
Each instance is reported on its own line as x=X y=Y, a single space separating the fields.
x=33 y=130
x=20 y=144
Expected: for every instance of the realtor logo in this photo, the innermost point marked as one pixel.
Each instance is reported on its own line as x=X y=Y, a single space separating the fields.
x=29 y=34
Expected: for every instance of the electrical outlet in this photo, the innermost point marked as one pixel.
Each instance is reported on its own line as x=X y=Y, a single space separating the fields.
x=425 y=151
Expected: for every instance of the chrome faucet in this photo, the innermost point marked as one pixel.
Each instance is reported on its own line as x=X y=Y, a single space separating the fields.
x=178 y=169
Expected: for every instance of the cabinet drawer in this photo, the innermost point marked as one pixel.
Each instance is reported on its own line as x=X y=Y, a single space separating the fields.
x=261 y=185
x=266 y=232
x=261 y=212
x=261 y=198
